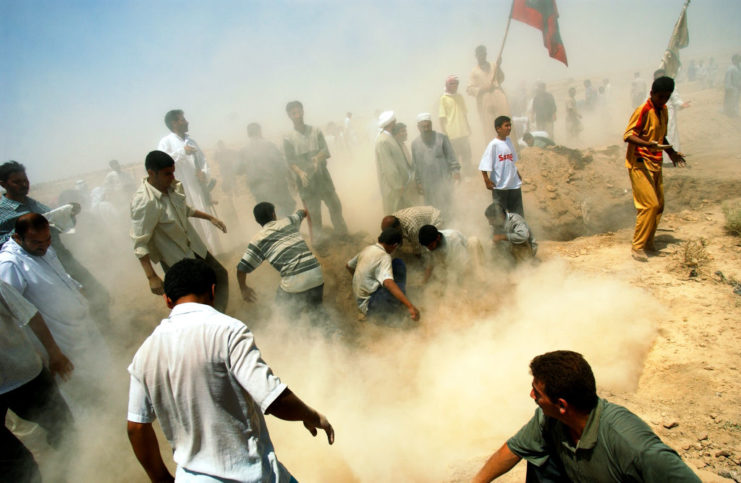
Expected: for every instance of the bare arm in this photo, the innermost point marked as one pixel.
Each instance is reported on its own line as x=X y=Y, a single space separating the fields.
x=350 y=269
x=58 y=362
x=498 y=464
x=214 y=221
x=289 y=407
x=147 y=451
x=391 y=286
x=487 y=180
x=155 y=282
x=248 y=294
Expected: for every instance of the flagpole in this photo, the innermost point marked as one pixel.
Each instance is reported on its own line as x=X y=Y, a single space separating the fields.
x=506 y=32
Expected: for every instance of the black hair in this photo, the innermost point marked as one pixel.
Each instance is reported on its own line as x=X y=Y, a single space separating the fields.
x=428 y=234
x=171 y=116
x=293 y=104
x=501 y=120
x=30 y=221
x=495 y=210
x=390 y=236
x=566 y=375
x=663 y=84
x=253 y=129
x=6 y=169
x=264 y=212
x=157 y=160
x=189 y=276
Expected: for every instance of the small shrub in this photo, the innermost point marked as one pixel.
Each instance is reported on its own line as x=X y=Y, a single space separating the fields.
x=732 y=210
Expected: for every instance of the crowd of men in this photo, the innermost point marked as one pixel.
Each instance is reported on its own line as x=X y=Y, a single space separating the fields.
x=200 y=372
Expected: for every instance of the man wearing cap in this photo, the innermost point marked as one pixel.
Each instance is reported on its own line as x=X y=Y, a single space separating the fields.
x=394 y=170
x=454 y=120
x=435 y=165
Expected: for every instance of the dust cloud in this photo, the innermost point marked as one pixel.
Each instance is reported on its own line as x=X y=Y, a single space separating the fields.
x=407 y=405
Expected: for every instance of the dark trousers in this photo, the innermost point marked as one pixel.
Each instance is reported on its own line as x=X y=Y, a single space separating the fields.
x=510 y=200
x=382 y=302
x=221 y=296
x=39 y=401
x=313 y=202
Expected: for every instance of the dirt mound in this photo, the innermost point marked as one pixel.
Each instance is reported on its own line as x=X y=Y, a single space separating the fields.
x=571 y=193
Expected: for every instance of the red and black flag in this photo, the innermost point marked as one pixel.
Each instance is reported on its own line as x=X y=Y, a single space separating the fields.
x=543 y=15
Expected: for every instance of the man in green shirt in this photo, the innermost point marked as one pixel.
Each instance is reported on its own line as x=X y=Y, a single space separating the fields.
x=576 y=436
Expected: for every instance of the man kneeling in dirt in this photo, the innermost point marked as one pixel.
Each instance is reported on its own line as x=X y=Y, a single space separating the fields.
x=512 y=229
x=378 y=282
x=577 y=436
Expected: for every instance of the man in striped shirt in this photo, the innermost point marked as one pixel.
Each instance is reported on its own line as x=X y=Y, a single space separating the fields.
x=646 y=138
x=280 y=243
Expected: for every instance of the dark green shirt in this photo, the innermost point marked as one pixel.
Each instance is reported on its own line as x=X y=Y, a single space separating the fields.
x=616 y=446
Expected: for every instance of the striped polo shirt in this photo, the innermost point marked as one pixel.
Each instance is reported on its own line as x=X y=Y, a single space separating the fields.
x=280 y=243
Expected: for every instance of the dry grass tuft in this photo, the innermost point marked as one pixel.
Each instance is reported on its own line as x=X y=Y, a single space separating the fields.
x=732 y=210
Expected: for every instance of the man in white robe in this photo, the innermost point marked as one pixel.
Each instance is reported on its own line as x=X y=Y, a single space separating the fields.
x=193 y=173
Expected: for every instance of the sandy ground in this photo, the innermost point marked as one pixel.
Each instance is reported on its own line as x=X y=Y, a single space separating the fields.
x=663 y=336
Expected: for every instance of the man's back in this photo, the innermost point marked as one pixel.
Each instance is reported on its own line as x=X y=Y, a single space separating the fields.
x=192 y=374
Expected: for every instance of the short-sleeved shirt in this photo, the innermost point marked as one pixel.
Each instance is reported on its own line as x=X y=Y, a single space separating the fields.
x=452 y=251
x=415 y=217
x=499 y=159
x=649 y=125
x=19 y=362
x=201 y=374
x=372 y=267
x=299 y=148
x=280 y=243
x=616 y=446
x=453 y=110
x=160 y=226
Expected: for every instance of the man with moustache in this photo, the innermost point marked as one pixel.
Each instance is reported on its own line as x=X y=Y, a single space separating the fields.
x=453 y=116
x=435 y=165
x=307 y=153
x=193 y=171
x=29 y=264
x=577 y=436
x=161 y=230
x=15 y=202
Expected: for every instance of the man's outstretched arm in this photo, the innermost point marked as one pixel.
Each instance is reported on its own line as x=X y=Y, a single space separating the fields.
x=289 y=407
x=147 y=451
x=498 y=464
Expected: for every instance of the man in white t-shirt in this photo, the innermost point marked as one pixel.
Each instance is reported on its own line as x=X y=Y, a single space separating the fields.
x=498 y=168
x=201 y=374
x=378 y=282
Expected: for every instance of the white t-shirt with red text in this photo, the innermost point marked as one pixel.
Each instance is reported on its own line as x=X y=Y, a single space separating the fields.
x=499 y=159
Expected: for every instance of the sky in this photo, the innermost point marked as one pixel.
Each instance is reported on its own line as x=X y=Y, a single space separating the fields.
x=88 y=81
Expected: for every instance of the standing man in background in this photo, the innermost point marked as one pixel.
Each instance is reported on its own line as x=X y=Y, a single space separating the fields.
x=394 y=169
x=646 y=138
x=544 y=107
x=486 y=86
x=193 y=171
x=453 y=117
x=307 y=153
x=435 y=165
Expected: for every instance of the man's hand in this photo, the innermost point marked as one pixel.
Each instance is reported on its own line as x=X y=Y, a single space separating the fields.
x=303 y=177
x=677 y=159
x=60 y=365
x=653 y=146
x=201 y=176
x=322 y=423
x=218 y=223
x=76 y=208
x=189 y=149
x=489 y=184
x=413 y=312
x=248 y=295
x=155 y=285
